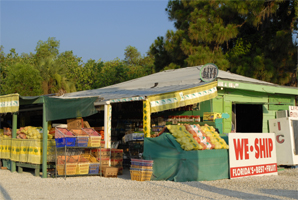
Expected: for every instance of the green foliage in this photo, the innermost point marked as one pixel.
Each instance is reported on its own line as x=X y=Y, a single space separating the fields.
x=132 y=55
x=251 y=38
x=23 y=79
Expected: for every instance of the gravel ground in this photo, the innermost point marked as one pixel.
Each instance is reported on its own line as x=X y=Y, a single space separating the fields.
x=27 y=186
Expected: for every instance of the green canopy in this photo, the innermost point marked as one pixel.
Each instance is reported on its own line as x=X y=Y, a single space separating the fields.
x=171 y=162
x=59 y=108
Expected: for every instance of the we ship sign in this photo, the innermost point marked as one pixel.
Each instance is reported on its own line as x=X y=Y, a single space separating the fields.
x=252 y=154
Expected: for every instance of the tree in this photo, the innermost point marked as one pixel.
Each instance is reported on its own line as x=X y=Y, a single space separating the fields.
x=132 y=55
x=252 y=38
x=53 y=69
x=23 y=79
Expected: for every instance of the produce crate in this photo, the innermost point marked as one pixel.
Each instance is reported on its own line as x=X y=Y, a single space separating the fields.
x=104 y=161
x=116 y=162
x=94 y=137
x=117 y=153
x=142 y=163
x=64 y=137
x=102 y=144
x=70 y=169
x=140 y=175
x=110 y=171
x=82 y=137
x=94 y=168
x=83 y=168
x=104 y=153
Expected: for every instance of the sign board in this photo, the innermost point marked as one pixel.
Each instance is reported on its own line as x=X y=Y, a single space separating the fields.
x=208 y=72
x=252 y=154
x=293 y=111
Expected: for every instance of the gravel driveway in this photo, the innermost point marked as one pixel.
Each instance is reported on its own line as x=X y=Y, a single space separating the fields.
x=26 y=186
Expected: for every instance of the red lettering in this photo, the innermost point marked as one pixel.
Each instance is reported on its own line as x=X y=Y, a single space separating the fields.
x=262 y=148
x=257 y=154
x=246 y=149
x=266 y=148
x=238 y=148
x=270 y=146
x=278 y=140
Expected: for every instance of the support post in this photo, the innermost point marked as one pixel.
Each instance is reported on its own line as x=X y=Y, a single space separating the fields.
x=107 y=125
x=14 y=135
x=44 y=142
x=146 y=118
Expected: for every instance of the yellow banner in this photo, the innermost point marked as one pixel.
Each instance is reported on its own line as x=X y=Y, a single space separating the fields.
x=9 y=103
x=183 y=98
x=146 y=118
x=26 y=150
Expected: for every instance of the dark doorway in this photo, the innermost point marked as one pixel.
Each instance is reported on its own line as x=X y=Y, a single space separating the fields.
x=249 y=118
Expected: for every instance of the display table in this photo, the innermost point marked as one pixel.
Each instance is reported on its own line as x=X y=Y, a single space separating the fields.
x=26 y=150
x=171 y=162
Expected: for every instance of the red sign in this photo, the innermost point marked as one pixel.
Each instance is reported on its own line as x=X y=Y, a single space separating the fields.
x=252 y=154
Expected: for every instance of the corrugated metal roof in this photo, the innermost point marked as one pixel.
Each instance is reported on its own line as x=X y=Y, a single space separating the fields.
x=159 y=83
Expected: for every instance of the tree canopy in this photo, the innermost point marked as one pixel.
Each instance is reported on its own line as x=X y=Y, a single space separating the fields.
x=251 y=38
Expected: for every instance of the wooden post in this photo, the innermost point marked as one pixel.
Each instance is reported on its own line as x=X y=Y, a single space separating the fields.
x=44 y=142
x=14 y=135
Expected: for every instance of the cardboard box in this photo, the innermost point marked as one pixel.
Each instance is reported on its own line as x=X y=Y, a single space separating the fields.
x=110 y=171
x=75 y=124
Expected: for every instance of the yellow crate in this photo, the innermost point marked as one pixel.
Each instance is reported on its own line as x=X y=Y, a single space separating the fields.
x=211 y=116
x=140 y=175
x=94 y=141
x=83 y=168
x=70 y=169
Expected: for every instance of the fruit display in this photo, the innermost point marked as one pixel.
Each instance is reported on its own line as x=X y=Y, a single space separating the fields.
x=30 y=132
x=196 y=137
x=200 y=136
x=215 y=139
x=184 y=138
x=79 y=132
x=65 y=132
x=90 y=132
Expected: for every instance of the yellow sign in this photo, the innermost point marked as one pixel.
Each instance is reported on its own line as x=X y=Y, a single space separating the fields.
x=183 y=98
x=9 y=103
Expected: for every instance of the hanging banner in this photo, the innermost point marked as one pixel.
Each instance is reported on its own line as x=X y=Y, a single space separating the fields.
x=9 y=103
x=183 y=98
x=26 y=150
x=146 y=118
x=252 y=154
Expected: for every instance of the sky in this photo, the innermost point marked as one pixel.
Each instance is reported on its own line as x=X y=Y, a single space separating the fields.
x=95 y=29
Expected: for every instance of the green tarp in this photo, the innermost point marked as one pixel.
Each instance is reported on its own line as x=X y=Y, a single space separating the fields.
x=171 y=162
x=69 y=108
x=58 y=108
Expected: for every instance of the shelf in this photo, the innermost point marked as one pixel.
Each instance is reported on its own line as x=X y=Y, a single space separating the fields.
x=78 y=147
x=99 y=174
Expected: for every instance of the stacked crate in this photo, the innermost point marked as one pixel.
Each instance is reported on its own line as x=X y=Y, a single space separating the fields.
x=102 y=155
x=117 y=159
x=141 y=170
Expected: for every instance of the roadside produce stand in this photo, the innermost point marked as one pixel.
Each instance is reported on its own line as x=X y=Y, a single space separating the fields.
x=143 y=107
x=30 y=151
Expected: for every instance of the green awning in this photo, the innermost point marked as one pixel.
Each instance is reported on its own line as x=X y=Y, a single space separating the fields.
x=57 y=108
